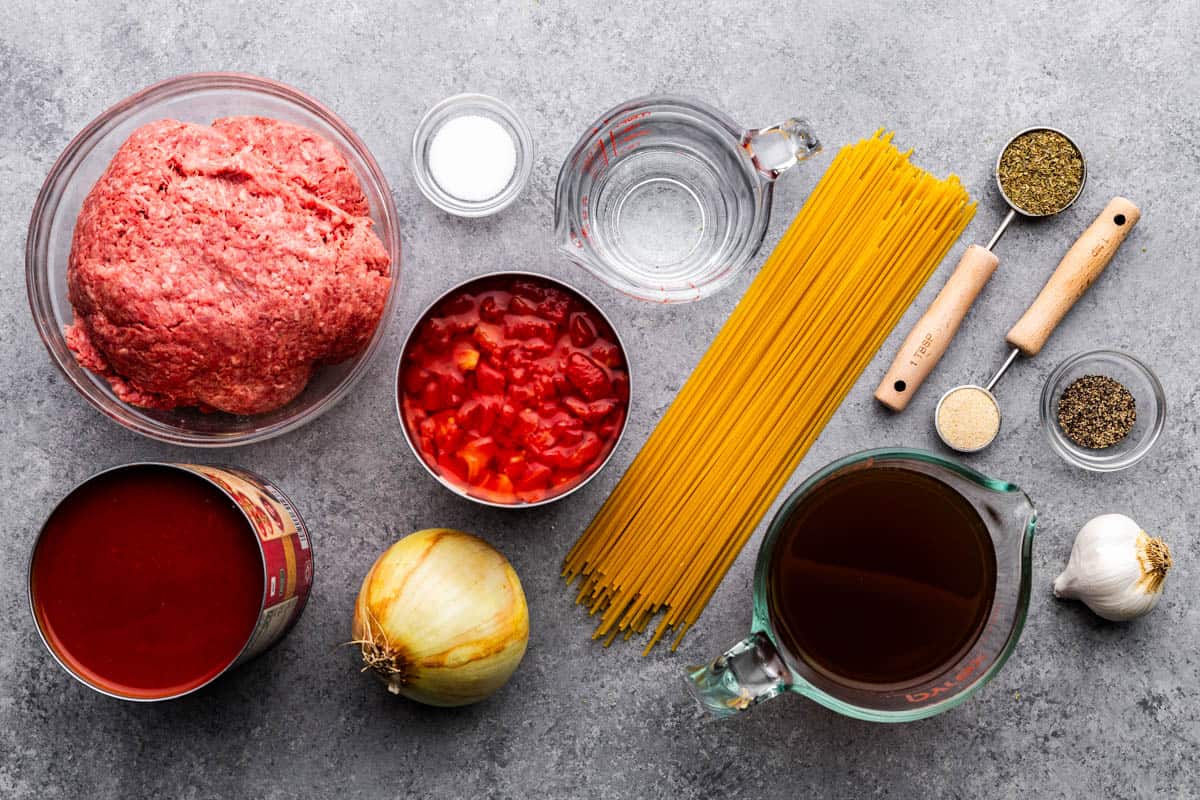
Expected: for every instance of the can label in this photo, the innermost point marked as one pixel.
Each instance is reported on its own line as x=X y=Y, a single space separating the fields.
x=284 y=542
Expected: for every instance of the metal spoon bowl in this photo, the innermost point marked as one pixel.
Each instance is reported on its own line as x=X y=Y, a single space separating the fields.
x=1014 y=209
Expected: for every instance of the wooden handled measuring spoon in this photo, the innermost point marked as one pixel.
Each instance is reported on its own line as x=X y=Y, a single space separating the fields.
x=1077 y=271
x=931 y=336
x=926 y=343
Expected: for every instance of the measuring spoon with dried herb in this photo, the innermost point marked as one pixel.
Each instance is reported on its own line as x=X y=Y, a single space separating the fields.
x=1040 y=172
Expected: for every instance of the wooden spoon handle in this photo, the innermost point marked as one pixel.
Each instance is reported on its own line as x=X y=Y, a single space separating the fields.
x=931 y=335
x=1078 y=270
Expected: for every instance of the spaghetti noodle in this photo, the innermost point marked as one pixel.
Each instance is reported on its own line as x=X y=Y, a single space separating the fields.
x=871 y=233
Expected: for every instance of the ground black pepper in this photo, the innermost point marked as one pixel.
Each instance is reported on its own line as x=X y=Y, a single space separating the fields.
x=1096 y=411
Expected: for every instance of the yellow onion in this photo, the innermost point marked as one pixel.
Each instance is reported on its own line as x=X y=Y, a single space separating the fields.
x=441 y=618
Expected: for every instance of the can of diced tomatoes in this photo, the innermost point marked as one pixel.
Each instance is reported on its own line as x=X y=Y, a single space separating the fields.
x=150 y=580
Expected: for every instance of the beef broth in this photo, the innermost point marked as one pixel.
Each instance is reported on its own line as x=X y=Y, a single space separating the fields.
x=882 y=576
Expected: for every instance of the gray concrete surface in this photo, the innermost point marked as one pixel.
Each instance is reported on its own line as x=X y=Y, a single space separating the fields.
x=1083 y=709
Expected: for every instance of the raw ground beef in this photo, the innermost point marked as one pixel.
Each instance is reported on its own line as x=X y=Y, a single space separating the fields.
x=217 y=266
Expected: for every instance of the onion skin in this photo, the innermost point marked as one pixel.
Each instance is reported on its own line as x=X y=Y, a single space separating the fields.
x=442 y=618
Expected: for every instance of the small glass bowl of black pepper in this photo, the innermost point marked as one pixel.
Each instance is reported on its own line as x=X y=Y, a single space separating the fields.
x=1107 y=399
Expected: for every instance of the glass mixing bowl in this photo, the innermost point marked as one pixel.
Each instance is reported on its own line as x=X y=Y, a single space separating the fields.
x=199 y=98
x=1148 y=395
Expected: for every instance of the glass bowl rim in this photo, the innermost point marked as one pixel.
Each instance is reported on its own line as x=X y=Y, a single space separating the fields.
x=1070 y=452
x=49 y=196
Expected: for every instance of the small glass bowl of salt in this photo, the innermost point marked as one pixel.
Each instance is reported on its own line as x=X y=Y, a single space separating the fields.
x=472 y=155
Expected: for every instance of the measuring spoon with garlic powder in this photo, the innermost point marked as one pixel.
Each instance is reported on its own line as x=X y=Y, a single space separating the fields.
x=931 y=336
x=956 y=417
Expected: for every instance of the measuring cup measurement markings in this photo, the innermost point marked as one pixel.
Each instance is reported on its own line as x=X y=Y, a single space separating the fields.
x=597 y=160
x=933 y=332
x=1076 y=272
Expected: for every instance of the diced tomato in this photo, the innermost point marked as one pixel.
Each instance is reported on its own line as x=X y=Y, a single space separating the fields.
x=586 y=451
x=431 y=397
x=446 y=431
x=508 y=416
x=489 y=379
x=452 y=387
x=465 y=356
x=525 y=327
x=555 y=307
x=524 y=287
x=577 y=407
x=415 y=378
x=583 y=332
x=451 y=467
x=522 y=305
x=591 y=381
x=491 y=339
x=612 y=426
x=479 y=414
x=427 y=428
x=499 y=487
x=460 y=303
x=537 y=476
x=567 y=431
x=527 y=422
x=606 y=353
x=590 y=412
x=436 y=334
x=537 y=348
x=517 y=357
x=492 y=310
x=514 y=466
x=521 y=394
x=574 y=456
x=599 y=409
x=477 y=454
x=539 y=442
x=543 y=387
x=518 y=374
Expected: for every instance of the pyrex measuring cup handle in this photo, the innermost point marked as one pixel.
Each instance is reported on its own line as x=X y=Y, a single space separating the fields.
x=748 y=673
x=779 y=147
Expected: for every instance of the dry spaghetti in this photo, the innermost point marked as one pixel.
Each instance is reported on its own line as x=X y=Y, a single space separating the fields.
x=871 y=233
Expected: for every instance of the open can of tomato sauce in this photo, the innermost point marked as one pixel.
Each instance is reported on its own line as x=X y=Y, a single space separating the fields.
x=150 y=580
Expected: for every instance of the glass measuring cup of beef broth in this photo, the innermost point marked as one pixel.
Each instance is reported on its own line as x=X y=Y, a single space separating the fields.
x=890 y=587
x=667 y=199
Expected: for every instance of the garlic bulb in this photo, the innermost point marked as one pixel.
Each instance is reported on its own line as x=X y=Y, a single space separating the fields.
x=1115 y=568
x=441 y=618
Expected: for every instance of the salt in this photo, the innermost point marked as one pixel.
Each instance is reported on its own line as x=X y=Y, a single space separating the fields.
x=472 y=158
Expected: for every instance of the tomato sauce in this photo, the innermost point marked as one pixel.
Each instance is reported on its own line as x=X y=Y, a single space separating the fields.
x=514 y=389
x=147 y=581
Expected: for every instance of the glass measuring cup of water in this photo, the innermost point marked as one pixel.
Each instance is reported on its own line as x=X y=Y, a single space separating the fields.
x=667 y=199
x=767 y=663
